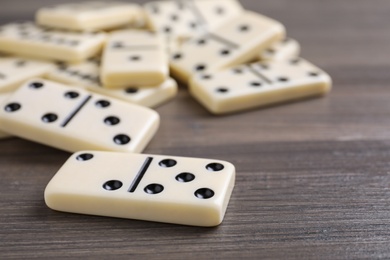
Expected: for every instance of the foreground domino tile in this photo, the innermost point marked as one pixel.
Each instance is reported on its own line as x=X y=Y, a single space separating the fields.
x=259 y=84
x=168 y=189
x=283 y=50
x=3 y=97
x=134 y=57
x=185 y=19
x=235 y=42
x=73 y=119
x=27 y=39
x=14 y=71
x=86 y=74
x=88 y=16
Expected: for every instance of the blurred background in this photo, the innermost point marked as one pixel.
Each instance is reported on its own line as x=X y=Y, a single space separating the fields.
x=306 y=20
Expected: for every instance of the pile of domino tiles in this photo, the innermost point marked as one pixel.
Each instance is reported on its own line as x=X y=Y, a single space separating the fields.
x=128 y=52
x=105 y=47
x=85 y=76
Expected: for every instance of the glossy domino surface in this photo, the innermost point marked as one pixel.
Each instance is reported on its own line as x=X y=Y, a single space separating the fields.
x=74 y=119
x=169 y=189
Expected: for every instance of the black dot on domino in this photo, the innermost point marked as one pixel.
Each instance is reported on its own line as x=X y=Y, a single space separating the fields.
x=222 y=90
x=220 y=10
x=264 y=66
x=167 y=29
x=177 y=56
x=155 y=9
x=49 y=118
x=295 y=61
x=167 y=163
x=122 y=139
x=12 y=107
x=204 y=193
x=185 y=177
x=314 y=74
x=154 y=188
x=244 y=28
x=135 y=58
x=102 y=103
x=255 y=84
x=86 y=77
x=225 y=52
x=84 y=157
x=270 y=51
x=201 y=42
x=73 y=72
x=36 y=85
x=111 y=120
x=283 y=79
x=20 y=63
x=131 y=90
x=94 y=61
x=96 y=80
x=62 y=66
x=71 y=94
x=214 y=167
x=200 y=67
x=112 y=185
x=174 y=17
x=117 y=45
x=207 y=77
x=46 y=30
x=180 y=5
x=238 y=71
x=193 y=25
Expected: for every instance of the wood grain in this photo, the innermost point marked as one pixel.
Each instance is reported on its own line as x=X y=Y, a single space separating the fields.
x=313 y=177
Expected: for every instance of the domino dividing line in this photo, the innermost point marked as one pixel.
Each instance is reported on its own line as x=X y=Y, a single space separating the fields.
x=223 y=41
x=140 y=174
x=77 y=110
x=259 y=74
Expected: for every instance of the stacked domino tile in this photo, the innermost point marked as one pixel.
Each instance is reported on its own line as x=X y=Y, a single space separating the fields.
x=119 y=58
x=205 y=40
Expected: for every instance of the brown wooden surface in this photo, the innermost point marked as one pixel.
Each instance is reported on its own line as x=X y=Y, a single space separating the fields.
x=313 y=177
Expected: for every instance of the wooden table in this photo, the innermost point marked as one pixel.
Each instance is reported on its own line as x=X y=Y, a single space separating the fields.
x=313 y=177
